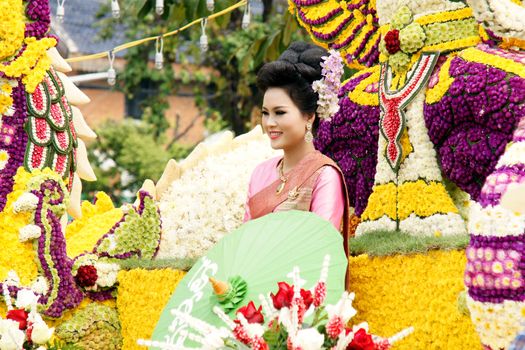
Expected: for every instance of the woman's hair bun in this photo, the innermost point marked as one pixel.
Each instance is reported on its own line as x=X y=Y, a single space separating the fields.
x=295 y=71
x=306 y=59
x=300 y=61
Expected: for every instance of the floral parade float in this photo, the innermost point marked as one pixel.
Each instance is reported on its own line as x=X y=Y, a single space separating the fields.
x=441 y=96
x=440 y=89
x=74 y=268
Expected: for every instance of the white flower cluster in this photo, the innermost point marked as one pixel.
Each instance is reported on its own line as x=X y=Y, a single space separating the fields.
x=106 y=270
x=514 y=155
x=40 y=285
x=25 y=203
x=503 y=17
x=495 y=221
x=383 y=223
x=421 y=163
x=29 y=232
x=497 y=324
x=435 y=225
x=107 y=274
x=11 y=336
x=208 y=200
x=328 y=87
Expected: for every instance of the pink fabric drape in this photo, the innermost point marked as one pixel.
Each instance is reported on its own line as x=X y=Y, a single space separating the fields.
x=327 y=198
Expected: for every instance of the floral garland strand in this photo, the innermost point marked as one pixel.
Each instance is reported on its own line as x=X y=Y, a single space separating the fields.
x=328 y=87
x=47 y=200
x=13 y=140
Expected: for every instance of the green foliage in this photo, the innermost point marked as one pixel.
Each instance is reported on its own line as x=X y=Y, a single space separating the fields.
x=176 y=264
x=124 y=155
x=383 y=243
x=276 y=336
x=237 y=55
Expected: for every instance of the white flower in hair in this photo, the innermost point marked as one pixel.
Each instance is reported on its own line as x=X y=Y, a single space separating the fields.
x=328 y=87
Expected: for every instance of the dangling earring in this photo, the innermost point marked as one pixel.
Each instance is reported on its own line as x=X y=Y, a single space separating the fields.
x=308 y=137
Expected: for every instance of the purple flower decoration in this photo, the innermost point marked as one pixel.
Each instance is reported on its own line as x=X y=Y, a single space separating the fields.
x=471 y=125
x=350 y=139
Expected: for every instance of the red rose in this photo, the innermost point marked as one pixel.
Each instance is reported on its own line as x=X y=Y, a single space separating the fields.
x=284 y=296
x=86 y=276
x=392 y=42
x=252 y=314
x=307 y=298
x=362 y=341
x=20 y=316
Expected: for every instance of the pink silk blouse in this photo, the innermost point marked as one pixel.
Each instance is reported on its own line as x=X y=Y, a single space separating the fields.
x=327 y=198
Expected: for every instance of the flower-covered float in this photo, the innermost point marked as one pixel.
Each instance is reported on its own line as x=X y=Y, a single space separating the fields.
x=440 y=95
x=440 y=91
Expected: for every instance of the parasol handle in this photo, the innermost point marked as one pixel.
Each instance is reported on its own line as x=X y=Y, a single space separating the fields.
x=398 y=336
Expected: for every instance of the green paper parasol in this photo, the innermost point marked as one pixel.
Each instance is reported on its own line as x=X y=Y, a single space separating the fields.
x=262 y=252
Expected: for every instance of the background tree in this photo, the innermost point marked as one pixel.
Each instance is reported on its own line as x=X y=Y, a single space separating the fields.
x=222 y=80
x=226 y=94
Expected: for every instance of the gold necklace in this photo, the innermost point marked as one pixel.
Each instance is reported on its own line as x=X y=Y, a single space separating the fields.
x=283 y=179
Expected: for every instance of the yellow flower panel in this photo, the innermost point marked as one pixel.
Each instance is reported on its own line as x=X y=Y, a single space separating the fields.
x=359 y=95
x=406 y=146
x=5 y=103
x=508 y=65
x=32 y=63
x=12 y=28
x=445 y=16
x=417 y=290
x=333 y=24
x=382 y=202
x=97 y=220
x=319 y=10
x=454 y=45
x=436 y=93
x=368 y=48
x=16 y=255
x=423 y=199
x=358 y=40
x=142 y=296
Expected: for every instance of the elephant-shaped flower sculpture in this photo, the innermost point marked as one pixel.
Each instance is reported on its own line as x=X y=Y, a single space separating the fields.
x=42 y=159
x=440 y=91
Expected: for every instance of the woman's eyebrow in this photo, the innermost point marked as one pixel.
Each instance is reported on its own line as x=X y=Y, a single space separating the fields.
x=276 y=107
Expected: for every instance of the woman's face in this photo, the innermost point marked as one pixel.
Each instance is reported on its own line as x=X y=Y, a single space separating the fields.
x=284 y=123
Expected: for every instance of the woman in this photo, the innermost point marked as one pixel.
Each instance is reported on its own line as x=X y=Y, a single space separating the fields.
x=302 y=179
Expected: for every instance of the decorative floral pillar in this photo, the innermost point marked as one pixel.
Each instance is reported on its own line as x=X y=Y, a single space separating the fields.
x=408 y=194
x=496 y=254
